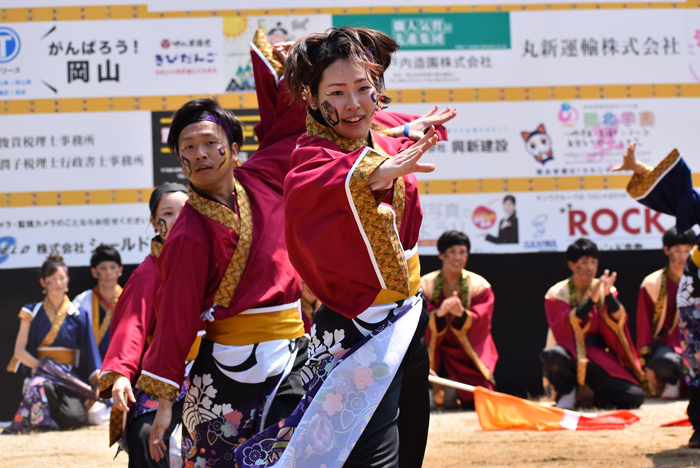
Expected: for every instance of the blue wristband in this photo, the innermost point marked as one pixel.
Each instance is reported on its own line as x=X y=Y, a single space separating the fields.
x=405 y=129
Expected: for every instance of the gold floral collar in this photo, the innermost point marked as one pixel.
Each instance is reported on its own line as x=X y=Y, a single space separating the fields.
x=315 y=129
x=156 y=246
x=242 y=225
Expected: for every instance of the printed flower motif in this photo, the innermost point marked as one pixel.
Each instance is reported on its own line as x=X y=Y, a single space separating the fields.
x=333 y=403
x=37 y=413
x=198 y=404
x=344 y=454
x=356 y=403
x=221 y=410
x=215 y=426
x=375 y=393
x=252 y=454
x=393 y=358
x=234 y=416
x=320 y=435
x=189 y=464
x=365 y=355
x=344 y=380
x=24 y=412
x=229 y=429
x=200 y=463
x=363 y=377
x=18 y=418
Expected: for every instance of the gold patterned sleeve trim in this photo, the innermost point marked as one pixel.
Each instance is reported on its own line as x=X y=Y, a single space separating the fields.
x=24 y=314
x=640 y=184
x=107 y=379
x=261 y=42
x=378 y=225
x=157 y=388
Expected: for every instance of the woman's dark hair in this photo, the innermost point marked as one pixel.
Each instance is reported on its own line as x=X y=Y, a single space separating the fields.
x=159 y=192
x=310 y=57
x=204 y=109
x=52 y=263
x=581 y=248
x=105 y=253
x=451 y=238
x=671 y=237
x=509 y=197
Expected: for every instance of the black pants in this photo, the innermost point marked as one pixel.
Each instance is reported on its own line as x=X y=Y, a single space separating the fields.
x=559 y=367
x=291 y=390
x=397 y=433
x=666 y=364
x=138 y=435
x=67 y=409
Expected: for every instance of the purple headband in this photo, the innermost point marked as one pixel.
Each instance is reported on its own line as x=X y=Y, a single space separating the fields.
x=371 y=57
x=217 y=121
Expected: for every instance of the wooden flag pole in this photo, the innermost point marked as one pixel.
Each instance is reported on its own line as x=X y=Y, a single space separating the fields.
x=450 y=383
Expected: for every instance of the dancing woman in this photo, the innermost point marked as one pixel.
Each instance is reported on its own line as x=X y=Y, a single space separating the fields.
x=132 y=330
x=352 y=218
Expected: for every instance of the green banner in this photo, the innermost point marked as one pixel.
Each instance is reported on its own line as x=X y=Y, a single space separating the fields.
x=437 y=31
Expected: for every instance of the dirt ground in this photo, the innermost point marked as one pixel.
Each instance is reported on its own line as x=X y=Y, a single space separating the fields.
x=455 y=440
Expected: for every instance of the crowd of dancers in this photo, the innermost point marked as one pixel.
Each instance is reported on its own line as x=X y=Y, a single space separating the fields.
x=281 y=317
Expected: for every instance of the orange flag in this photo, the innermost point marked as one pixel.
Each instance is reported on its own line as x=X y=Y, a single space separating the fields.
x=498 y=411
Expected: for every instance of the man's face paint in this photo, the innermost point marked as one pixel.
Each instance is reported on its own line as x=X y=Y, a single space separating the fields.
x=226 y=153
x=330 y=113
x=186 y=167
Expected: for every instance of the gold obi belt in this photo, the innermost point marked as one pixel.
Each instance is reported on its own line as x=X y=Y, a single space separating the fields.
x=253 y=326
x=65 y=356
x=194 y=350
x=386 y=296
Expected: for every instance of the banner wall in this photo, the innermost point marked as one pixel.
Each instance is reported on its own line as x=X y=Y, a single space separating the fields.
x=548 y=100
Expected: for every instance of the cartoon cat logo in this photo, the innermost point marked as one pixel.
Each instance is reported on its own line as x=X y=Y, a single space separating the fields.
x=539 y=144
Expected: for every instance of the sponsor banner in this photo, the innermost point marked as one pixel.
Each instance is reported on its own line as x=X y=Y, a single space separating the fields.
x=535 y=48
x=95 y=151
x=542 y=221
x=239 y=31
x=425 y=31
x=559 y=138
x=111 y=58
x=29 y=235
x=165 y=164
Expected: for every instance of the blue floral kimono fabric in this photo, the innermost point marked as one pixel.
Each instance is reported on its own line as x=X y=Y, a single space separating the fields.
x=344 y=390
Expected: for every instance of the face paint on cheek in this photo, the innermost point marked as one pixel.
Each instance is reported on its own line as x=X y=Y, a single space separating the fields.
x=374 y=95
x=186 y=168
x=162 y=227
x=330 y=113
x=223 y=151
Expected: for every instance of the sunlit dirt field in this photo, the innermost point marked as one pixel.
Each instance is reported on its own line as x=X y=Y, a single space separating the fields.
x=455 y=440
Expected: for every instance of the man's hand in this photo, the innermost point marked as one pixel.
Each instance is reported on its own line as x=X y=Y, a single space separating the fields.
x=630 y=163
x=607 y=281
x=122 y=393
x=156 y=444
x=451 y=305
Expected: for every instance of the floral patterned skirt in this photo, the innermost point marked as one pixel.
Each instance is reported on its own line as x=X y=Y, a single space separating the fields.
x=33 y=411
x=231 y=392
x=689 y=327
x=352 y=363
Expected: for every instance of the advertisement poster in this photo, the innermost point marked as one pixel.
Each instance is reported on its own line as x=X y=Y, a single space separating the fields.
x=66 y=59
x=533 y=48
x=559 y=138
x=88 y=151
x=29 y=235
x=542 y=221
x=239 y=31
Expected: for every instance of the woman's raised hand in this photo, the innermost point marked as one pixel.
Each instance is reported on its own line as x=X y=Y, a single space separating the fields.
x=417 y=128
x=406 y=162
x=630 y=163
